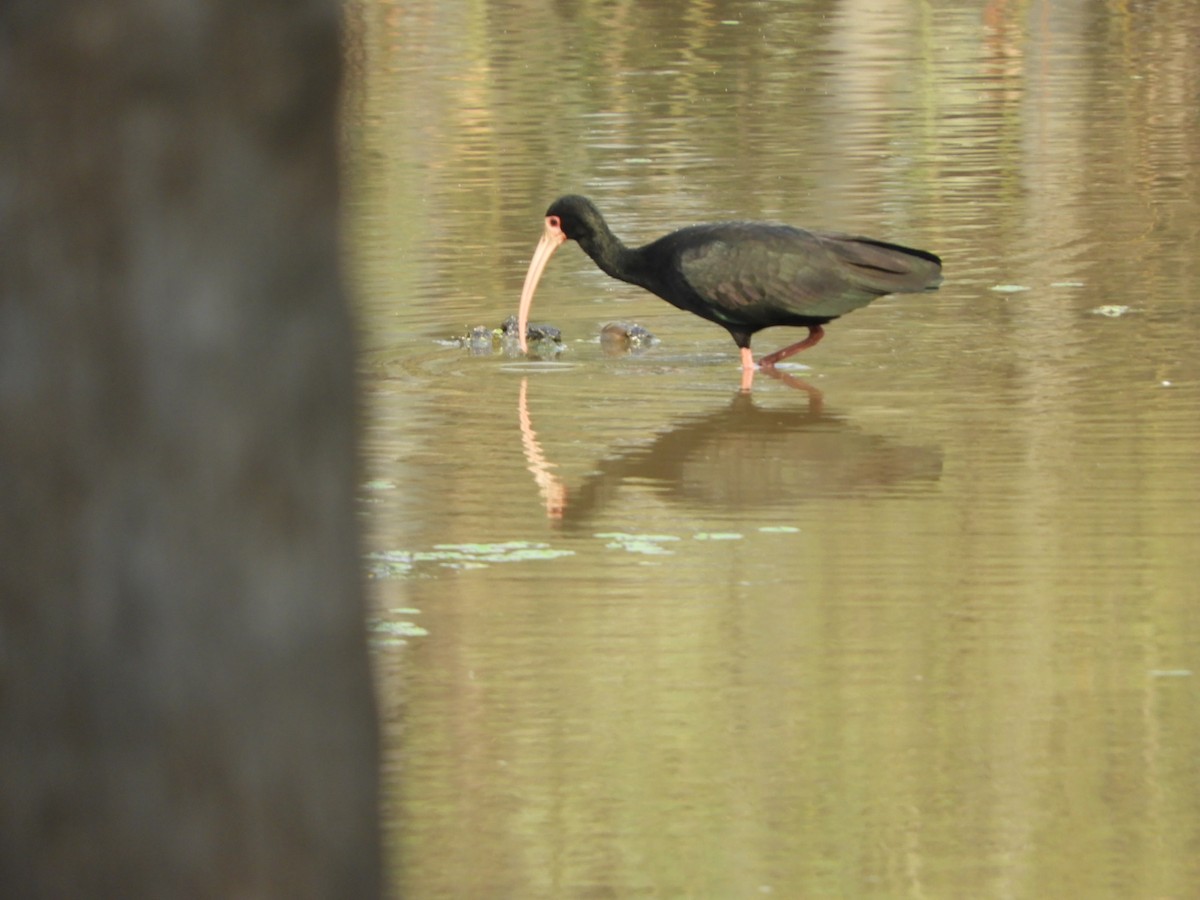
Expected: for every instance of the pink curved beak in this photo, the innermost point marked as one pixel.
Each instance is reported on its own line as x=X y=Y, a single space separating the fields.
x=552 y=239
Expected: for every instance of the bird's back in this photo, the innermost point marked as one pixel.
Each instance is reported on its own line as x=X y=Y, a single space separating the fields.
x=760 y=274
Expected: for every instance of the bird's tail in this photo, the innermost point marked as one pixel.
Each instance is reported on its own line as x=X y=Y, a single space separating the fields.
x=888 y=268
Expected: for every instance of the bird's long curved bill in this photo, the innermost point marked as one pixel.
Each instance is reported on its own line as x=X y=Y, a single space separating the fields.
x=552 y=239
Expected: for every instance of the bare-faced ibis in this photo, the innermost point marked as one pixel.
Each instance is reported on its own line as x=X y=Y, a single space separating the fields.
x=745 y=276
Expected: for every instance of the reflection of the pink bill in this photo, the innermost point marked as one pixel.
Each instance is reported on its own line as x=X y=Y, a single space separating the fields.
x=550 y=486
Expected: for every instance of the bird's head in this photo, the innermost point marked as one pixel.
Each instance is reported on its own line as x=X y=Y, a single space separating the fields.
x=569 y=218
x=575 y=217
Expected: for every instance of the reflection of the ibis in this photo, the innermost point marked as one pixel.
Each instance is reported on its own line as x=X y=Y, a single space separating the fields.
x=740 y=456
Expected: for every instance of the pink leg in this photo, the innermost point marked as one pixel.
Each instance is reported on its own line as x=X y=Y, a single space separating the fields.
x=748 y=368
x=815 y=333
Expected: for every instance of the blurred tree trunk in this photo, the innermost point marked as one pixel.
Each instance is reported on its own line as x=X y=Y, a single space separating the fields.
x=185 y=700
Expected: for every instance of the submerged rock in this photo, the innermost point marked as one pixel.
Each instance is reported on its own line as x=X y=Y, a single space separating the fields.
x=617 y=337
x=534 y=331
x=482 y=340
x=479 y=338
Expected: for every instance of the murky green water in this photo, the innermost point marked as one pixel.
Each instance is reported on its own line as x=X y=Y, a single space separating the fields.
x=921 y=618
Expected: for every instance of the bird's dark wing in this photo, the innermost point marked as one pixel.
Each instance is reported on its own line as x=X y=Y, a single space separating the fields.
x=752 y=272
x=883 y=267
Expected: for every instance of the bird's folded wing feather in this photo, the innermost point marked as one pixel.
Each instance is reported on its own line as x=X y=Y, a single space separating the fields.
x=883 y=267
x=752 y=269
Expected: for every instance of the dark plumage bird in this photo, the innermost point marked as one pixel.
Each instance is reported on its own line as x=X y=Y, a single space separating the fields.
x=745 y=276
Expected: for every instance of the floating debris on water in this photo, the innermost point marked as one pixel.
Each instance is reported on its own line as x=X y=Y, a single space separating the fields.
x=1010 y=288
x=779 y=529
x=1112 y=310
x=717 y=536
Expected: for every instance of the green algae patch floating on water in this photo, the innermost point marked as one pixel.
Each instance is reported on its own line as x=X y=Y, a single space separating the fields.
x=645 y=544
x=395 y=634
x=380 y=484
x=405 y=563
x=509 y=551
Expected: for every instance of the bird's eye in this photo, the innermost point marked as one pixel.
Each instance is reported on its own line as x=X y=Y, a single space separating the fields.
x=554 y=221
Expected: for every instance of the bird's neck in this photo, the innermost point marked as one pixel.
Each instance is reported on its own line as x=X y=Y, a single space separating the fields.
x=613 y=257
